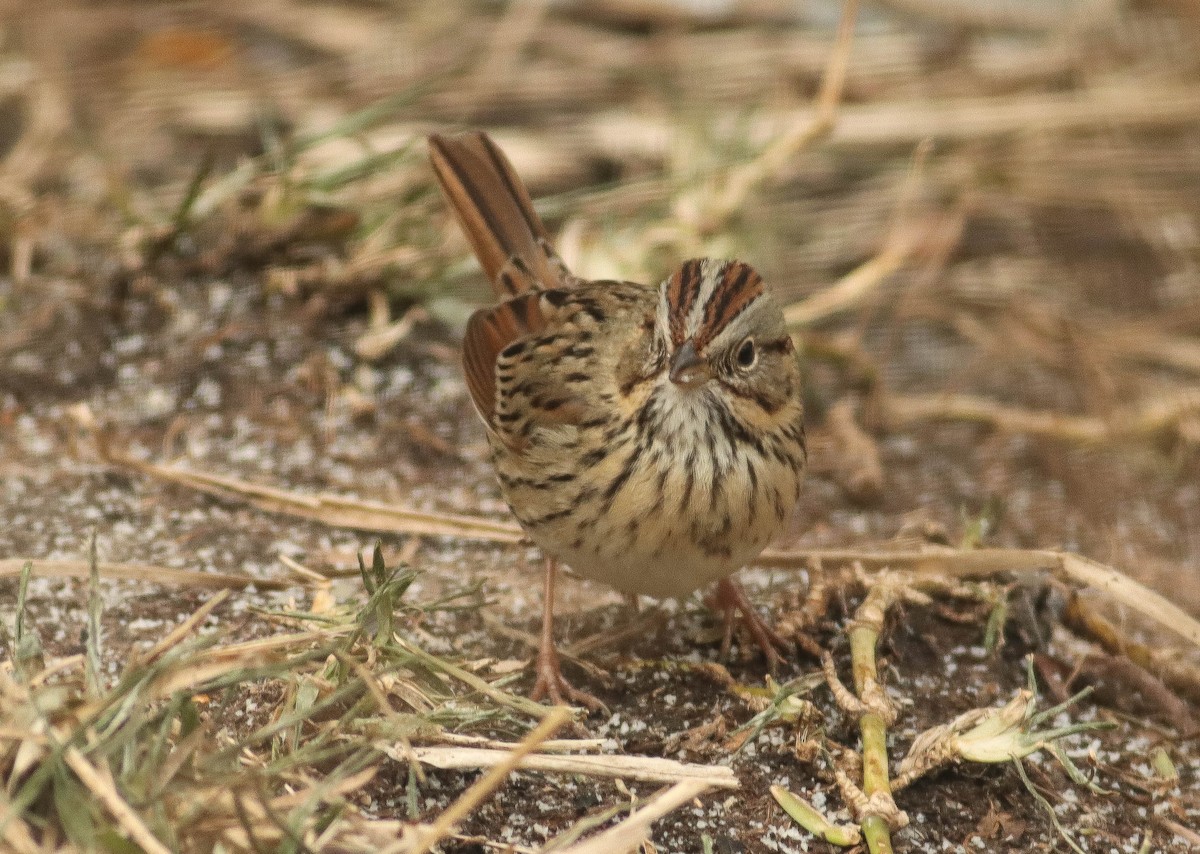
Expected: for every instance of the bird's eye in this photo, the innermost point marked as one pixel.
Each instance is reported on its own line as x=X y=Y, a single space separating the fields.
x=746 y=354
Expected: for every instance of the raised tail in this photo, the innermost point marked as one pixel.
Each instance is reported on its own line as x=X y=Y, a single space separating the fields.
x=494 y=209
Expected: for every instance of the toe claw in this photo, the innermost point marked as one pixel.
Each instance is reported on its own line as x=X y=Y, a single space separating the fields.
x=552 y=685
x=731 y=599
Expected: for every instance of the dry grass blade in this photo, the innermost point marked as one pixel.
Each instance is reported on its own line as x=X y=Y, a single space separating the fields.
x=518 y=704
x=214 y=663
x=14 y=831
x=102 y=787
x=332 y=510
x=11 y=567
x=185 y=628
x=631 y=832
x=648 y=768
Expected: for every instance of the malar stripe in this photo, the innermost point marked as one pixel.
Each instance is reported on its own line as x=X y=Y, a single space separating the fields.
x=766 y=404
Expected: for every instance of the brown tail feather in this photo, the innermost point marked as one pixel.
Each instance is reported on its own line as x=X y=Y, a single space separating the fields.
x=494 y=209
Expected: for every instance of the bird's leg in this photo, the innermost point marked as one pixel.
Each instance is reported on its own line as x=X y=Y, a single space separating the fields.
x=550 y=682
x=731 y=599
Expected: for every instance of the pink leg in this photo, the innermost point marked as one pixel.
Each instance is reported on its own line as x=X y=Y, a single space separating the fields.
x=550 y=682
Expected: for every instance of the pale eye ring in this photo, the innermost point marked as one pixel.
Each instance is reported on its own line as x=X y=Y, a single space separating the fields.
x=747 y=354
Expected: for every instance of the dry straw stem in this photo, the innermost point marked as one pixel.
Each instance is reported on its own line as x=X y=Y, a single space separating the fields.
x=850 y=290
x=857 y=464
x=11 y=568
x=514 y=31
x=1124 y=106
x=903 y=239
x=1161 y=414
x=1183 y=832
x=333 y=510
x=1019 y=16
x=631 y=832
x=561 y=745
x=380 y=340
x=896 y=123
x=1168 y=664
x=647 y=768
x=1142 y=343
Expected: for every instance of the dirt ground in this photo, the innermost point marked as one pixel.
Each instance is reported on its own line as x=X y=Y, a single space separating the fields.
x=196 y=241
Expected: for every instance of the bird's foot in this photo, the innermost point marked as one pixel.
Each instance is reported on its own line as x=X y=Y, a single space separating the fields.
x=730 y=598
x=553 y=686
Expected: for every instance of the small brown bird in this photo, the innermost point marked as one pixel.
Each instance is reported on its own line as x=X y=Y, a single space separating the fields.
x=651 y=438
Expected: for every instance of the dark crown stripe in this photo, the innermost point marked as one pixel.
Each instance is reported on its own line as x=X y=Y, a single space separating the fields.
x=682 y=291
x=740 y=285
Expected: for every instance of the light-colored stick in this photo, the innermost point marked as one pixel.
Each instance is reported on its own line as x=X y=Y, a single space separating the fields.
x=647 y=768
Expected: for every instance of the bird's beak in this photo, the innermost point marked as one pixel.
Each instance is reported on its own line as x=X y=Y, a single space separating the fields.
x=688 y=368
